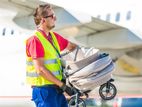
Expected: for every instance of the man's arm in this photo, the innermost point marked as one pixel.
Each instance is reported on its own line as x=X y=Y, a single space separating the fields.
x=41 y=70
x=71 y=46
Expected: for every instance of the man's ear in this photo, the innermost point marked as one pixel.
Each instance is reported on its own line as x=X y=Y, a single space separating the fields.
x=42 y=20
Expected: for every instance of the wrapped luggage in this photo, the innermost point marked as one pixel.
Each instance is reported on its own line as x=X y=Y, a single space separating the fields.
x=86 y=69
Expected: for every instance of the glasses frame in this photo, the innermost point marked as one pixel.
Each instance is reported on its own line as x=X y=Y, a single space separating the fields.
x=52 y=16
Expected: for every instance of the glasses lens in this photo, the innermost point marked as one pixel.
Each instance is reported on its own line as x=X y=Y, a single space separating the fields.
x=52 y=16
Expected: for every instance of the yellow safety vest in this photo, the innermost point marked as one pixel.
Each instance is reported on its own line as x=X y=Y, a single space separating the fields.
x=51 y=62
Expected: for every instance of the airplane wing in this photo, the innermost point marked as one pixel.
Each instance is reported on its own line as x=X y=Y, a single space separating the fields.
x=93 y=33
x=23 y=10
x=24 y=13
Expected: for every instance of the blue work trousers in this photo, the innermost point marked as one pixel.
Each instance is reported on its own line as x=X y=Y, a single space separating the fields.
x=48 y=96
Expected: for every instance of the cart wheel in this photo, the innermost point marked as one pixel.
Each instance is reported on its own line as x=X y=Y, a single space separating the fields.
x=72 y=102
x=107 y=91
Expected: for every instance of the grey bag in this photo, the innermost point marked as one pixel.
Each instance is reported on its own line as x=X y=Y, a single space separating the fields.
x=90 y=70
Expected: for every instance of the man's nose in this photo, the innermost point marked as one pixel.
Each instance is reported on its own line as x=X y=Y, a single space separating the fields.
x=55 y=18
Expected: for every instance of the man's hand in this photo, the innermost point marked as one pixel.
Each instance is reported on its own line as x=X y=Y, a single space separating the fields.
x=71 y=46
x=70 y=91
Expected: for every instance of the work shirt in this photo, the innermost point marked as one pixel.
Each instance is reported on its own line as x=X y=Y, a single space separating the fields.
x=35 y=49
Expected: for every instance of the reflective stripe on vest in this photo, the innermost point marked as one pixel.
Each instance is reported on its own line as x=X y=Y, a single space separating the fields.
x=51 y=62
x=35 y=74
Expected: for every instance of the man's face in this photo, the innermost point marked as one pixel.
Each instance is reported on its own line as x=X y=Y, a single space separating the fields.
x=50 y=19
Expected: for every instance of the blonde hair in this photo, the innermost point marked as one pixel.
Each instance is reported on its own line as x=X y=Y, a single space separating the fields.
x=40 y=12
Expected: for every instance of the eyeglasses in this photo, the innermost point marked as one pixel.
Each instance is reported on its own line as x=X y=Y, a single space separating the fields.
x=52 y=16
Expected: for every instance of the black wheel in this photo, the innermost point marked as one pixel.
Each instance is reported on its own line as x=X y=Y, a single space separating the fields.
x=72 y=102
x=107 y=91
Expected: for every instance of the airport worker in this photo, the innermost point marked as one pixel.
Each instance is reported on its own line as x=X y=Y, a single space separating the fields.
x=44 y=69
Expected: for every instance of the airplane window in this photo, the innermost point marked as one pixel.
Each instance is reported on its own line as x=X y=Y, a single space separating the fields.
x=8 y=32
x=117 y=18
x=12 y=32
x=128 y=17
x=108 y=17
x=4 y=30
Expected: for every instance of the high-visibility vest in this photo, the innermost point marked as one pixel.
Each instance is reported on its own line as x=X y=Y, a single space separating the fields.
x=51 y=62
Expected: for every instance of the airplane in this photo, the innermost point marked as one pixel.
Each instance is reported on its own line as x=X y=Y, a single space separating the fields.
x=108 y=27
x=114 y=28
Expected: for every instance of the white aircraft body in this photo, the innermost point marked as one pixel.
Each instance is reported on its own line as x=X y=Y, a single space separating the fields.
x=115 y=27
x=111 y=26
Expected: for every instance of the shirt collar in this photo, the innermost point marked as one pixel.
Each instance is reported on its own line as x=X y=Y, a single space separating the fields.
x=44 y=34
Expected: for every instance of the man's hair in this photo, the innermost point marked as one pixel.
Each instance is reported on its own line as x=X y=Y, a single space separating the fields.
x=40 y=12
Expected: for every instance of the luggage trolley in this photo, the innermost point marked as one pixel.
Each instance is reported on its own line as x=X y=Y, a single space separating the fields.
x=107 y=91
x=102 y=77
